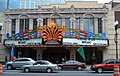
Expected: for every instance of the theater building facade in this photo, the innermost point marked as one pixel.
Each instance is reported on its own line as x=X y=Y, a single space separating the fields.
x=57 y=31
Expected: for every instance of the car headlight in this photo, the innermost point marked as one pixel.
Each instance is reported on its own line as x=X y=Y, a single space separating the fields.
x=93 y=66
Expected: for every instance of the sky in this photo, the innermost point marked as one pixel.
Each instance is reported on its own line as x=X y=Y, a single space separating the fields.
x=99 y=1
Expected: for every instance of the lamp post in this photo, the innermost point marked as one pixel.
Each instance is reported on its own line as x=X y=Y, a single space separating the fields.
x=115 y=39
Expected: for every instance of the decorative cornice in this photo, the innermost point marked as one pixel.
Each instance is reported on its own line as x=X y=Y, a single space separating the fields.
x=61 y=10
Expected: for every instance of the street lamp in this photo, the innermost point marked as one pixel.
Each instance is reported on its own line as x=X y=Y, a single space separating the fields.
x=115 y=39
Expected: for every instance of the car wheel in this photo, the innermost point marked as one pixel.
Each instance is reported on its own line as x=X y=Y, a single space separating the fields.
x=99 y=70
x=60 y=68
x=26 y=70
x=48 y=70
x=9 y=67
x=79 y=68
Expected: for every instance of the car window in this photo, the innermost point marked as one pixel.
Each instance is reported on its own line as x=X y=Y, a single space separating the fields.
x=43 y=63
x=117 y=61
x=69 y=62
x=17 y=60
x=109 y=62
x=75 y=62
x=24 y=60
x=36 y=63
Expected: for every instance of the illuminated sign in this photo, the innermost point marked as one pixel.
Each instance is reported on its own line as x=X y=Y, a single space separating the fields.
x=24 y=42
x=93 y=42
x=66 y=41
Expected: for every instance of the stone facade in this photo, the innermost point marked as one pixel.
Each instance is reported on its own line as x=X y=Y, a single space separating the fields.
x=79 y=9
x=3 y=50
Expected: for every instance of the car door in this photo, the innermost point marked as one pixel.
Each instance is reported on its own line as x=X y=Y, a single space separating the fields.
x=109 y=65
x=25 y=62
x=43 y=65
x=68 y=65
x=36 y=67
x=16 y=63
x=117 y=62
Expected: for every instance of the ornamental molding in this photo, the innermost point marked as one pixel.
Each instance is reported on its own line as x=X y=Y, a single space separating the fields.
x=60 y=10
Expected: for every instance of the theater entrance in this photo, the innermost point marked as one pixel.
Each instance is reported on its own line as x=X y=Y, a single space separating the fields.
x=56 y=54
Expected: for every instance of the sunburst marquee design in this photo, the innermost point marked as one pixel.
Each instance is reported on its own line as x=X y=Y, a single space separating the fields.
x=52 y=31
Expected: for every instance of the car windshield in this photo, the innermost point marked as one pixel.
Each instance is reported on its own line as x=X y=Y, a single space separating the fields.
x=110 y=61
x=42 y=62
x=72 y=62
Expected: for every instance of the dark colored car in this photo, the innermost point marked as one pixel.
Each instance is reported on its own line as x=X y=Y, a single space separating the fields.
x=107 y=65
x=72 y=64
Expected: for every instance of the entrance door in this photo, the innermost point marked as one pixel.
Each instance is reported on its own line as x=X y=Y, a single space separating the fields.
x=55 y=55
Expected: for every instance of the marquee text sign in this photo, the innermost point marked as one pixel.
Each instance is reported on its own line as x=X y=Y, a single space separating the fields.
x=24 y=42
x=92 y=42
x=66 y=41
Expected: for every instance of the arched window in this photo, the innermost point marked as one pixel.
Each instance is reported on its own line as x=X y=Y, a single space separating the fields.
x=88 y=23
x=24 y=23
x=57 y=19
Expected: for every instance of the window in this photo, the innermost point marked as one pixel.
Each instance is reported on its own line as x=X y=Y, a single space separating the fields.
x=88 y=23
x=99 y=25
x=24 y=24
x=67 y=22
x=117 y=17
x=13 y=26
x=34 y=24
x=109 y=62
x=0 y=34
x=0 y=38
x=45 y=20
x=25 y=60
x=0 y=28
x=57 y=19
x=69 y=62
x=117 y=61
x=75 y=62
x=43 y=63
x=77 y=23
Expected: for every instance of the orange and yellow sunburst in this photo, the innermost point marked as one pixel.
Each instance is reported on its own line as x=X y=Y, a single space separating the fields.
x=52 y=31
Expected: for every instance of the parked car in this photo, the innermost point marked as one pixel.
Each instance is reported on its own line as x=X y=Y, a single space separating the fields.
x=41 y=65
x=107 y=65
x=18 y=63
x=72 y=64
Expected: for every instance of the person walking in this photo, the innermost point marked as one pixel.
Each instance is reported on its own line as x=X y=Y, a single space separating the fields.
x=6 y=59
x=14 y=58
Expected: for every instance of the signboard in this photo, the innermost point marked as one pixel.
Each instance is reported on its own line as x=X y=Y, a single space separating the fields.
x=92 y=42
x=24 y=42
x=66 y=41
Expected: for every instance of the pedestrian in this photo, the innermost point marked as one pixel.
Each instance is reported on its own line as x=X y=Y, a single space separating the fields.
x=63 y=60
x=6 y=59
x=14 y=58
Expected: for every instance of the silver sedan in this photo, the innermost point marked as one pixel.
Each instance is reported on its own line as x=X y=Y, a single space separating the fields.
x=41 y=65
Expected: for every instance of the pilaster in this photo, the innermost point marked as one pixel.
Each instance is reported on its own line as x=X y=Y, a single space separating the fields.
x=8 y=26
x=96 y=26
x=30 y=24
x=63 y=22
x=17 y=25
x=81 y=24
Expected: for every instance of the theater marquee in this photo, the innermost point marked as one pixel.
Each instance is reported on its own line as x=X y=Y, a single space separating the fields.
x=92 y=42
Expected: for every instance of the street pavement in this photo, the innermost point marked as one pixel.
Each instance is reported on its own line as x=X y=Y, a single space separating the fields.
x=86 y=72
